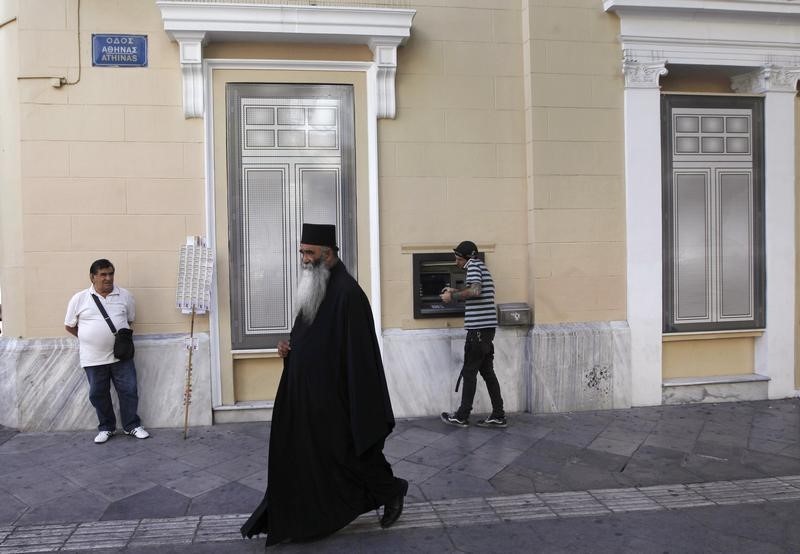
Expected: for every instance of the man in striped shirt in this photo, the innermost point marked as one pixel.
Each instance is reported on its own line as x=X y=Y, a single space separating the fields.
x=480 y=321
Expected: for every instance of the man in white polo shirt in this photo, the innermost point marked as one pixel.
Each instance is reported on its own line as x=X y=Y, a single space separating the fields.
x=96 y=340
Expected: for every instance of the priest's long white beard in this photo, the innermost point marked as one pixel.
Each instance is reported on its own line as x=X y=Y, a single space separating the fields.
x=311 y=290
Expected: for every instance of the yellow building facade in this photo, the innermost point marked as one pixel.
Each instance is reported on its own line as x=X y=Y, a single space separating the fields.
x=535 y=128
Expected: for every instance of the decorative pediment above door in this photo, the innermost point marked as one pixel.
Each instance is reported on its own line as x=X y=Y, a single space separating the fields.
x=193 y=24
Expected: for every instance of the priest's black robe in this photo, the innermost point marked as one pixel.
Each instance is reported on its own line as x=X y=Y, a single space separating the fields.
x=332 y=413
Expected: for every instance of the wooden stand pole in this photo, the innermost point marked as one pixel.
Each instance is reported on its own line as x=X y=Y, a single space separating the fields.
x=187 y=391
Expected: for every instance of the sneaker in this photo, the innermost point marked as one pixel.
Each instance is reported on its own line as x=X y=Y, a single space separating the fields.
x=451 y=419
x=102 y=437
x=138 y=432
x=493 y=421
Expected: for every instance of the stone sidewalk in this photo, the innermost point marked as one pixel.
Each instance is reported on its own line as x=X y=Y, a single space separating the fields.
x=59 y=491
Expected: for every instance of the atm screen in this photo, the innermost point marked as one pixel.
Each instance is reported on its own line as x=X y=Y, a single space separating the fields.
x=431 y=284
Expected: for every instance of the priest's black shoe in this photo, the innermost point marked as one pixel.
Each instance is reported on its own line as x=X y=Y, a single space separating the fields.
x=393 y=508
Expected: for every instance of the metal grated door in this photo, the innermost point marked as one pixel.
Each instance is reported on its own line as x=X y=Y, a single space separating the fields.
x=713 y=232
x=291 y=161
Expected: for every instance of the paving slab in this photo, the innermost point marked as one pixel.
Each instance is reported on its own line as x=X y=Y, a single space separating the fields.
x=257 y=481
x=400 y=448
x=156 y=502
x=450 y=484
x=577 y=476
x=75 y=507
x=432 y=456
x=512 y=481
x=11 y=509
x=230 y=498
x=238 y=468
x=37 y=485
x=478 y=466
x=197 y=483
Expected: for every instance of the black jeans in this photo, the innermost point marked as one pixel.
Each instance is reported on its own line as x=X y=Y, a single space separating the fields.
x=123 y=374
x=479 y=358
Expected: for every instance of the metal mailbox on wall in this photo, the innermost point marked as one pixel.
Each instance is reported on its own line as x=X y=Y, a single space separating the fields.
x=514 y=313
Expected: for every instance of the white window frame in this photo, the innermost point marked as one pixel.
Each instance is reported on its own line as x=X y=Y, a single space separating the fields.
x=759 y=35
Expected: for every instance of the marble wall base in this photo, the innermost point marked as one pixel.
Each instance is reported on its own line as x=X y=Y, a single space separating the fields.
x=422 y=367
x=9 y=359
x=43 y=387
x=734 y=388
x=549 y=368
x=580 y=366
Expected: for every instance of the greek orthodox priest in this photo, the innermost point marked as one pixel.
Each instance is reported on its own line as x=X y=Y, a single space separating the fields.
x=332 y=411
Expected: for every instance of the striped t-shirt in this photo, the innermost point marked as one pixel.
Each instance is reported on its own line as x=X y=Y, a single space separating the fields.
x=479 y=312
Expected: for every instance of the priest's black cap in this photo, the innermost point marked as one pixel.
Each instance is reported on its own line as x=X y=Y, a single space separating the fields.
x=319 y=235
x=466 y=249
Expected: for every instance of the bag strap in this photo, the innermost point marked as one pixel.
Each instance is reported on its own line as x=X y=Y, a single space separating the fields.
x=104 y=313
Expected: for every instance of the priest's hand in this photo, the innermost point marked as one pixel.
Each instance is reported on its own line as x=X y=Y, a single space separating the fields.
x=283 y=348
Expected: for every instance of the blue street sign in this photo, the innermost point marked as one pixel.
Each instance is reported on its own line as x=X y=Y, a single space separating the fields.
x=119 y=50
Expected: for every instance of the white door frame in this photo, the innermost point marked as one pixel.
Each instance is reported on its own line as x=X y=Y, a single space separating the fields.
x=368 y=68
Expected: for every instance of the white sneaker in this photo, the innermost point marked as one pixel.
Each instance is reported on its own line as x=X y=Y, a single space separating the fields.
x=138 y=432
x=102 y=437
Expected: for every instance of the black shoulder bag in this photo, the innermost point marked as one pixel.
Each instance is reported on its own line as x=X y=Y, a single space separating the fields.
x=123 y=339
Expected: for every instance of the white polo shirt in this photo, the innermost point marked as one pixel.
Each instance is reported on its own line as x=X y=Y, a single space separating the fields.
x=94 y=335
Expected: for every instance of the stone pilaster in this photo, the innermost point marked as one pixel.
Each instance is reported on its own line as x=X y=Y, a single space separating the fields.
x=775 y=349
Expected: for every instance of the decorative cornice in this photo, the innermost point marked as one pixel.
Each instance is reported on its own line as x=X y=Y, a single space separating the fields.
x=195 y=23
x=770 y=78
x=281 y=22
x=748 y=7
x=732 y=33
x=643 y=74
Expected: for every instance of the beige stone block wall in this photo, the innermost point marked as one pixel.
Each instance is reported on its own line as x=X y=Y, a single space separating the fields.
x=66 y=195
x=252 y=377
x=72 y=123
x=44 y=159
x=707 y=356
x=574 y=143
x=109 y=165
x=155 y=310
x=452 y=164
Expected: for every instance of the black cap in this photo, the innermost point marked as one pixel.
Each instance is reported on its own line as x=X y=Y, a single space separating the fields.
x=319 y=235
x=466 y=249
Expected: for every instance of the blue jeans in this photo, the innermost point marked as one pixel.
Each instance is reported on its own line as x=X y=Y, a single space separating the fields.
x=123 y=374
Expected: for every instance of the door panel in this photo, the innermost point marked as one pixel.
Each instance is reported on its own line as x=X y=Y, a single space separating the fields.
x=713 y=207
x=692 y=247
x=291 y=161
